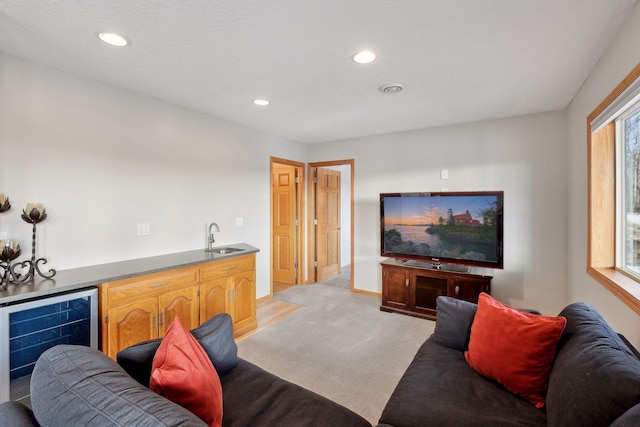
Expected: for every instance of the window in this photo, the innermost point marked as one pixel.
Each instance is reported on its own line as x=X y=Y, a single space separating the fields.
x=613 y=152
x=628 y=191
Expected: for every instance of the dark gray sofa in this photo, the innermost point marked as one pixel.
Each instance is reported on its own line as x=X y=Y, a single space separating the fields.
x=595 y=379
x=80 y=386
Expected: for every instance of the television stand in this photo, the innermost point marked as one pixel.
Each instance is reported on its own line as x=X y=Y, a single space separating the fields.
x=438 y=266
x=412 y=289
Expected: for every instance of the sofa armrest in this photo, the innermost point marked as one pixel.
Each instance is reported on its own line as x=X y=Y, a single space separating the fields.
x=16 y=414
x=631 y=347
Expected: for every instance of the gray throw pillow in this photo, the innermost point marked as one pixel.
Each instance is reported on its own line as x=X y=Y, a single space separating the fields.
x=453 y=324
x=215 y=336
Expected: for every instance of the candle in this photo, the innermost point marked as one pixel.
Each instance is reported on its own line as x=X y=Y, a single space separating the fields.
x=4 y=203
x=9 y=250
x=32 y=206
x=34 y=210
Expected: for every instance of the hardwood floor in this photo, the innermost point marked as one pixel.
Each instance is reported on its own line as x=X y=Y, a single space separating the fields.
x=269 y=312
x=279 y=287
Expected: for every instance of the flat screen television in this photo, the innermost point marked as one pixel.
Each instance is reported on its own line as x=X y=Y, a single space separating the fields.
x=442 y=230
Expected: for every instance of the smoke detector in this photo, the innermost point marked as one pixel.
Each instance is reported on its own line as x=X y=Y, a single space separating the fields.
x=392 y=88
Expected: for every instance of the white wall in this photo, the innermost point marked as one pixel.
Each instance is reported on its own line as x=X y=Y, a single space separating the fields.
x=524 y=156
x=621 y=57
x=102 y=160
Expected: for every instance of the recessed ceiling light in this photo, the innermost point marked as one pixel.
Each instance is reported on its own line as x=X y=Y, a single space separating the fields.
x=261 y=102
x=364 y=57
x=113 y=39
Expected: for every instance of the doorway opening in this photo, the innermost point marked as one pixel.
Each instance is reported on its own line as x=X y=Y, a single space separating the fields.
x=287 y=197
x=330 y=204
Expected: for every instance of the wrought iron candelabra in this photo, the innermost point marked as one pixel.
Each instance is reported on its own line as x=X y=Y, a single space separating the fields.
x=9 y=250
x=33 y=214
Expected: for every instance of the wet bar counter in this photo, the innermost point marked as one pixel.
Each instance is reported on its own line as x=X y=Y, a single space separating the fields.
x=86 y=277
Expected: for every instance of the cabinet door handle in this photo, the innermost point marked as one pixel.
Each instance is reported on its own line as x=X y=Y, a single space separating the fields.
x=232 y=268
x=155 y=321
x=457 y=290
x=406 y=283
x=161 y=285
x=164 y=318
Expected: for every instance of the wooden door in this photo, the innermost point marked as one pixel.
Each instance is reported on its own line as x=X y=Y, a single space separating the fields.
x=284 y=224
x=213 y=298
x=182 y=303
x=132 y=323
x=327 y=203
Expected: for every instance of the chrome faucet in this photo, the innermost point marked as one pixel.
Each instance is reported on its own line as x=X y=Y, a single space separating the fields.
x=211 y=239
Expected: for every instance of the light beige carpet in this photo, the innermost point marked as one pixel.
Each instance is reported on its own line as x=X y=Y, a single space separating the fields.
x=340 y=346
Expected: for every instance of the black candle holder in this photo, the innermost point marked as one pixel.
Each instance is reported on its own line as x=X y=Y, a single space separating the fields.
x=34 y=217
x=5 y=205
x=8 y=253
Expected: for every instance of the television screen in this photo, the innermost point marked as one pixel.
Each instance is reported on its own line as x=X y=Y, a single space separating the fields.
x=443 y=228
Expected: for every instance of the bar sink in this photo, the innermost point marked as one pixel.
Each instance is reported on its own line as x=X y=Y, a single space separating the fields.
x=225 y=250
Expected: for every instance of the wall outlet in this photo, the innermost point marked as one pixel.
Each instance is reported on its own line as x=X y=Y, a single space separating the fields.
x=239 y=222
x=444 y=174
x=144 y=229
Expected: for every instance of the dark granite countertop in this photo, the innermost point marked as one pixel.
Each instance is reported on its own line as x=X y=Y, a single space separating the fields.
x=86 y=277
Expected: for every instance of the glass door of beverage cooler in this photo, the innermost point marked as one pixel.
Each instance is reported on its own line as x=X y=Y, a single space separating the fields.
x=30 y=328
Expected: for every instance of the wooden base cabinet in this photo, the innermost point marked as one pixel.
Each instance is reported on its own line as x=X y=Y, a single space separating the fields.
x=142 y=307
x=229 y=286
x=413 y=290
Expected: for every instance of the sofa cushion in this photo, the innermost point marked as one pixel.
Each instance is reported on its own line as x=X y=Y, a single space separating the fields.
x=514 y=347
x=254 y=397
x=80 y=386
x=631 y=418
x=16 y=414
x=453 y=322
x=182 y=372
x=596 y=377
x=215 y=336
x=439 y=388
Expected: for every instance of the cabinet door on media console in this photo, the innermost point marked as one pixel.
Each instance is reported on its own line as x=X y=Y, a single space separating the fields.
x=468 y=288
x=427 y=289
x=395 y=287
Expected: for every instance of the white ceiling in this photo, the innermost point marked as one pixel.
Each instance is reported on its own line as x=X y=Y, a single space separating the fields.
x=461 y=60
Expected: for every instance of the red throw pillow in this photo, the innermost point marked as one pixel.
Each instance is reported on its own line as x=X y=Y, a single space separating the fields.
x=514 y=348
x=183 y=373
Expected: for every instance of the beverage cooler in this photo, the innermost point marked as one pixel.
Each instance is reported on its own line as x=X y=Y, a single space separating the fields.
x=27 y=329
